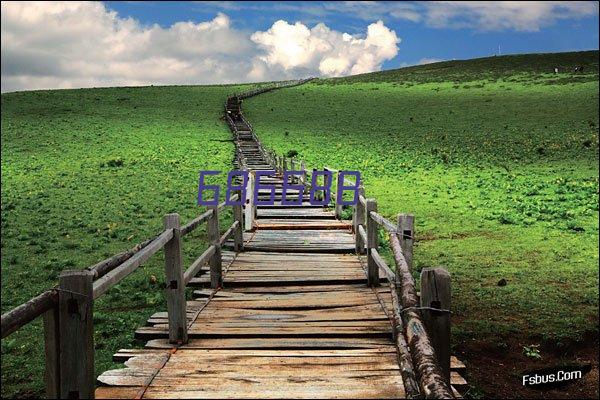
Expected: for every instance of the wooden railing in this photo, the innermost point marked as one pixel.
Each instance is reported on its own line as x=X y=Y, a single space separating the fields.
x=68 y=308
x=422 y=324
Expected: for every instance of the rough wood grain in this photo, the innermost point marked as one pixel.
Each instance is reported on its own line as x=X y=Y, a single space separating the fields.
x=75 y=308
x=175 y=282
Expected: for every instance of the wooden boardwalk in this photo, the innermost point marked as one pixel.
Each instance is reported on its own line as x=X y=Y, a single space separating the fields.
x=287 y=302
x=294 y=317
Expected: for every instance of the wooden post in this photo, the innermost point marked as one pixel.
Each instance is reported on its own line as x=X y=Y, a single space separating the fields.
x=238 y=215
x=371 y=229
x=359 y=219
x=75 y=309
x=176 y=304
x=303 y=176
x=435 y=293
x=52 y=353
x=214 y=237
x=250 y=206
x=406 y=228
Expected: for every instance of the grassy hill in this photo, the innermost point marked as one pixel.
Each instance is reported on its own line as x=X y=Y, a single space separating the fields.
x=497 y=158
x=515 y=68
x=499 y=162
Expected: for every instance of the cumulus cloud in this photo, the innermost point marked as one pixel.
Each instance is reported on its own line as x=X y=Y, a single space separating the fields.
x=84 y=44
x=322 y=49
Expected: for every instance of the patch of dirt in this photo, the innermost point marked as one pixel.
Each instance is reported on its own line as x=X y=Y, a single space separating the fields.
x=495 y=369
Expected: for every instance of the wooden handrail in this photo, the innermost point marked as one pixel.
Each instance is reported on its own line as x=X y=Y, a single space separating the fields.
x=193 y=224
x=431 y=377
x=103 y=267
x=107 y=281
x=228 y=232
x=383 y=222
x=198 y=263
x=383 y=265
x=23 y=314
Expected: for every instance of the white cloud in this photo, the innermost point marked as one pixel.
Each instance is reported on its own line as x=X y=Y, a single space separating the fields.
x=84 y=44
x=505 y=15
x=479 y=15
x=322 y=49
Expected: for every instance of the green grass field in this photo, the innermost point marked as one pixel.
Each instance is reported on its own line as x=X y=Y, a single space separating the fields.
x=497 y=158
x=501 y=173
x=87 y=174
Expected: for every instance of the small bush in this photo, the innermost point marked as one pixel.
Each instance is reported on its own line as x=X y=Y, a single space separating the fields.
x=114 y=163
x=291 y=154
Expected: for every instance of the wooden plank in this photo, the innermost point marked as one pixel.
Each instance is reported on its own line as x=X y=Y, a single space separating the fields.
x=275 y=343
x=301 y=241
x=289 y=224
x=298 y=213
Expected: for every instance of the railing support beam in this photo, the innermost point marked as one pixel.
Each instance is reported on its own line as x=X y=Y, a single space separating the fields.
x=372 y=268
x=436 y=294
x=176 y=304
x=75 y=308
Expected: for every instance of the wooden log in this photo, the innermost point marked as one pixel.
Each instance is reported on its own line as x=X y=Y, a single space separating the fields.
x=404 y=358
x=358 y=219
x=372 y=269
x=405 y=281
x=238 y=216
x=52 y=352
x=383 y=222
x=75 y=308
x=176 y=305
x=193 y=224
x=431 y=377
x=216 y=268
x=107 y=281
x=249 y=209
x=103 y=267
x=406 y=226
x=198 y=263
x=435 y=294
x=27 y=312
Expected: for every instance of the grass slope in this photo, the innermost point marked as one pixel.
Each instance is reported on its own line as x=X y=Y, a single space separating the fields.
x=501 y=173
x=497 y=159
x=87 y=174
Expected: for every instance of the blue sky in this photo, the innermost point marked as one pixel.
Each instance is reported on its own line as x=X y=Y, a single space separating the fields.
x=419 y=41
x=48 y=45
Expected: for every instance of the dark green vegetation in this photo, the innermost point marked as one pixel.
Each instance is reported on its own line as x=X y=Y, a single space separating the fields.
x=498 y=159
x=87 y=174
x=500 y=169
